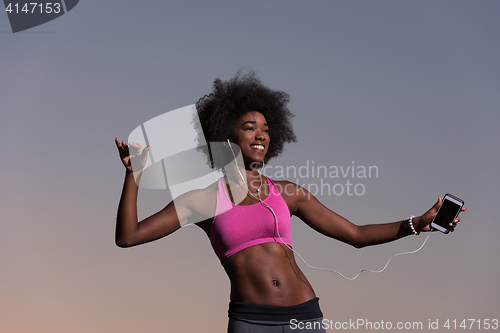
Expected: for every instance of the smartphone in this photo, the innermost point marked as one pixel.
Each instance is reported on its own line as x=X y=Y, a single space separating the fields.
x=447 y=212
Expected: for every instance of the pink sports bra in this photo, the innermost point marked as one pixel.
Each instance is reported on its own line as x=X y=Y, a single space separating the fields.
x=235 y=227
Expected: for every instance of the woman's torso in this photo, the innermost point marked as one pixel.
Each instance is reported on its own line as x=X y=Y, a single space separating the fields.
x=265 y=273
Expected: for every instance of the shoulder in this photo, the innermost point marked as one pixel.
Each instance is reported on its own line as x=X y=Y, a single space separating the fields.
x=288 y=188
x=292 y=193
x=203 y=203
x=199 y=200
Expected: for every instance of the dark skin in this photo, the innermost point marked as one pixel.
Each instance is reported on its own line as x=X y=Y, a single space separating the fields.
x=267 y=273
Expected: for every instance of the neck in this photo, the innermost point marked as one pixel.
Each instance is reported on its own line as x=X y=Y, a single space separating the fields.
x=242 y=175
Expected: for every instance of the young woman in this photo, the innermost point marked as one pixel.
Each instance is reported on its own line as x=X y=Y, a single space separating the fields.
x=247 y=216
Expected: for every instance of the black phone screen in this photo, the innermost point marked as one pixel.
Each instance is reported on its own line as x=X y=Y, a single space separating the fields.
x=447 y=212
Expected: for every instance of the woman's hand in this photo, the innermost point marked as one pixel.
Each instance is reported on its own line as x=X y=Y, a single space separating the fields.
x=133 y=156
x=425 y=220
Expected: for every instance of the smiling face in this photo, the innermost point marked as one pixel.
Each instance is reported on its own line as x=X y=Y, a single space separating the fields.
x=251 y=133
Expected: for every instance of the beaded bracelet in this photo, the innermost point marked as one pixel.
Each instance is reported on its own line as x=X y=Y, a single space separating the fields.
x=408 y=226
x=411 y=225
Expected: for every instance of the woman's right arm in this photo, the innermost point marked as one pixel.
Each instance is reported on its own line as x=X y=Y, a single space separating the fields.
x=129 y=231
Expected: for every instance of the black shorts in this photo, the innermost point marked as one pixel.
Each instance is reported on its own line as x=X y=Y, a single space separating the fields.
x=255 y=318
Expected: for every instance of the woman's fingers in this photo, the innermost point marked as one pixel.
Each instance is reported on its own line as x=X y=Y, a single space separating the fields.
x=132 y=154
x=145 y=151
x=120 y=145
x=135 y=148
x=453 y=224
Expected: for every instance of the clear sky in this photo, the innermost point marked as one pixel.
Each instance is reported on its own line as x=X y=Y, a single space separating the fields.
x=411 y=87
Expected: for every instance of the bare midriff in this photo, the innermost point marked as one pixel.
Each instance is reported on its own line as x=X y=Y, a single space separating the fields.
x=267 y=274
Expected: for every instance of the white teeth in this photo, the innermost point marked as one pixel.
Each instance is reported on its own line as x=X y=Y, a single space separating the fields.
x=259 y=147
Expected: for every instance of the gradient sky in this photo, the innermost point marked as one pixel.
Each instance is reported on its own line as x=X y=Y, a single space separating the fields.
x=409 y=87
